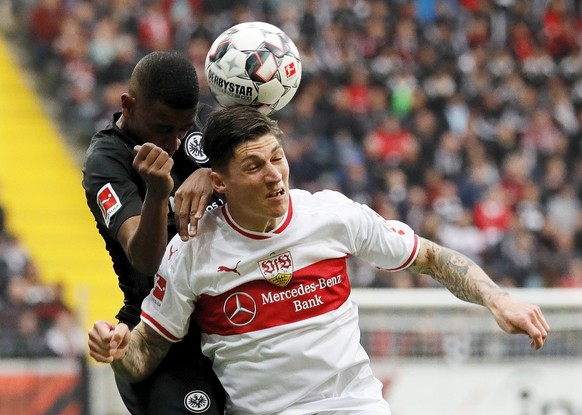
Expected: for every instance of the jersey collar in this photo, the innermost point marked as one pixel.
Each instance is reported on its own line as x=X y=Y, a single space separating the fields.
x=259 y=235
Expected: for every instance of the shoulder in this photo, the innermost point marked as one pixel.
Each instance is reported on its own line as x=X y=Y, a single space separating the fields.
x=326 y=206
x=107 y=148
x=324 y=198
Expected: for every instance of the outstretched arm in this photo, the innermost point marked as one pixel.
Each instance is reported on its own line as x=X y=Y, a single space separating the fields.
x=133 y=355
x=467 y=281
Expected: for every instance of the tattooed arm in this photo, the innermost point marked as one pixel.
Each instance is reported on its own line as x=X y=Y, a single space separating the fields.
x=133 y=355
x=467 y=281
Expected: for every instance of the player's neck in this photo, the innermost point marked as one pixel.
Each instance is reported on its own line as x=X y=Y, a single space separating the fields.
x=120 y=122
x=252 y=224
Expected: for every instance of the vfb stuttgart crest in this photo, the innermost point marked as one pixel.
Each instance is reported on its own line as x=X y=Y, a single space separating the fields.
x=277 y=269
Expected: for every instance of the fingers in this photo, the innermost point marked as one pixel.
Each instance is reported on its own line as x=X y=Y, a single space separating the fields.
x=152 y=157
x=533 y=324
x=99 y=338
x=538 y=330
x=107 y=341
x=190 y=202
x=514 y=316
x=154 y=165
x=119 y=337
x=189 y=212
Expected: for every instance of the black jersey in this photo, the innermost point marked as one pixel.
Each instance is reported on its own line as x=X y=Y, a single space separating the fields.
x=115 y=192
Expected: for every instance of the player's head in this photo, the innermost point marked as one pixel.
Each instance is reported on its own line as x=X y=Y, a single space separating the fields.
x=160 y=106
x=249 y=167
x=168 y=77
x=227 y=128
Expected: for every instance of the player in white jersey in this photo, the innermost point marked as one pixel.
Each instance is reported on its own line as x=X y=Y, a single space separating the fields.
x=266 y=280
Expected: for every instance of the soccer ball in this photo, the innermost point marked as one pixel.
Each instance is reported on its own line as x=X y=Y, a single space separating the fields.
x=253 y=63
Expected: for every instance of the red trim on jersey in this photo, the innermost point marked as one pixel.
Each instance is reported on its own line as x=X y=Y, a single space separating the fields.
x=314 y=290
x=240 y=230
x=410 y=258
x=166 y=333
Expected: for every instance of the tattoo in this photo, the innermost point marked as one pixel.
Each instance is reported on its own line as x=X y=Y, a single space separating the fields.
x=460 y=275
x=145 y=351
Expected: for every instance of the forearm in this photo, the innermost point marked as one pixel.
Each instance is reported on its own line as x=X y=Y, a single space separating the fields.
x=459 y=274
x=145 y=351
x=148 y=243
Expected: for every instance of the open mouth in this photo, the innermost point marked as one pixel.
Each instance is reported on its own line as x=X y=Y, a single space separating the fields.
x=279 y=192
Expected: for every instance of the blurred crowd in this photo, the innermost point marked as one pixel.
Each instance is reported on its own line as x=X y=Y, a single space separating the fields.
x=462 y=118
x=34 y=320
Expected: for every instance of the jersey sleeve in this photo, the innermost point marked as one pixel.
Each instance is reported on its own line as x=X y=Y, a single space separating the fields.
x=111 y=186
x=386 y=244
x=169 y=306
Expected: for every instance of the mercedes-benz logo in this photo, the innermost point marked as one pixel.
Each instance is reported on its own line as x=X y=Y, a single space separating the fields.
x=240 y=309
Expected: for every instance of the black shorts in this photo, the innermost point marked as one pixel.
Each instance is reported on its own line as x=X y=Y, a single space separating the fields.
x=183 y=384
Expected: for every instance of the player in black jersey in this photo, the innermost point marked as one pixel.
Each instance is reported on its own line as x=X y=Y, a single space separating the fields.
x=144 y=182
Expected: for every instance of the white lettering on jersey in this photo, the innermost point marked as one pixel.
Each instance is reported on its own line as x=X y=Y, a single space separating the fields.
x=306 y=304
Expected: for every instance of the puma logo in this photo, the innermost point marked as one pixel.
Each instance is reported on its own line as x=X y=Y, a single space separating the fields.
x=223 y=268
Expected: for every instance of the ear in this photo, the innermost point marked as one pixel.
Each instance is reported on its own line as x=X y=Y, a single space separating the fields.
x=127 y=104
x=218 y=181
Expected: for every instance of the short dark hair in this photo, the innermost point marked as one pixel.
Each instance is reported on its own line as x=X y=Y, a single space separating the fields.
x=228 y=127
x=168 y=77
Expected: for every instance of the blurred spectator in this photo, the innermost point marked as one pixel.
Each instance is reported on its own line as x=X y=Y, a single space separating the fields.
x=529 y=210
x=44 y=25
x=573 y=277
x=29 y=340
x=13 y=255
x=493 y=214
x=155 y=31
x=66 y=337
x=29 y=307
x=447 y=203
x=514 y=260
x=387 y=143
x=464 y=236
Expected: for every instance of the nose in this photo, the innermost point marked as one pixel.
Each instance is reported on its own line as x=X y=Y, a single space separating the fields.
x=179 y=136
x=272 y=173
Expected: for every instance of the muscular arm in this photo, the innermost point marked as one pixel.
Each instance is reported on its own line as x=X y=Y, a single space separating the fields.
x=144 y=237
x=467 y=281
x=461 y=276
x=143 y=353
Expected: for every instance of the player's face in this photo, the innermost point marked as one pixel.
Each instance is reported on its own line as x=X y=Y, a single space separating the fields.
x=256 y=184
x=157 y=123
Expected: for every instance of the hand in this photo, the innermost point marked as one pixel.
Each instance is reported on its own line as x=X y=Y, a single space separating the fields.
x=108 y=341
x=514 y=317
x=190 y=202
x=154 y=166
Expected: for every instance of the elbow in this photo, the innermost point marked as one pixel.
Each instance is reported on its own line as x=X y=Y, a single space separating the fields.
x=147 y=266
x=131 y=374
x=130 y=378
x=147 y=269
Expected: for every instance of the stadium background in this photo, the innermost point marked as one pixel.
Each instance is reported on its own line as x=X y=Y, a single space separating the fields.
x=461 y=118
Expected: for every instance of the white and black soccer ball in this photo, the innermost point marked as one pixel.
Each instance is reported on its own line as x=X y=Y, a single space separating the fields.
x=253 y=63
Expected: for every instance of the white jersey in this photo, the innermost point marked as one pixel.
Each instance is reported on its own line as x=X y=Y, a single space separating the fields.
x=273 y=307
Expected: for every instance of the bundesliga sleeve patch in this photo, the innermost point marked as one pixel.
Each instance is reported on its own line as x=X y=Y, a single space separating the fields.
x=108 y=202
x=159 y=287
